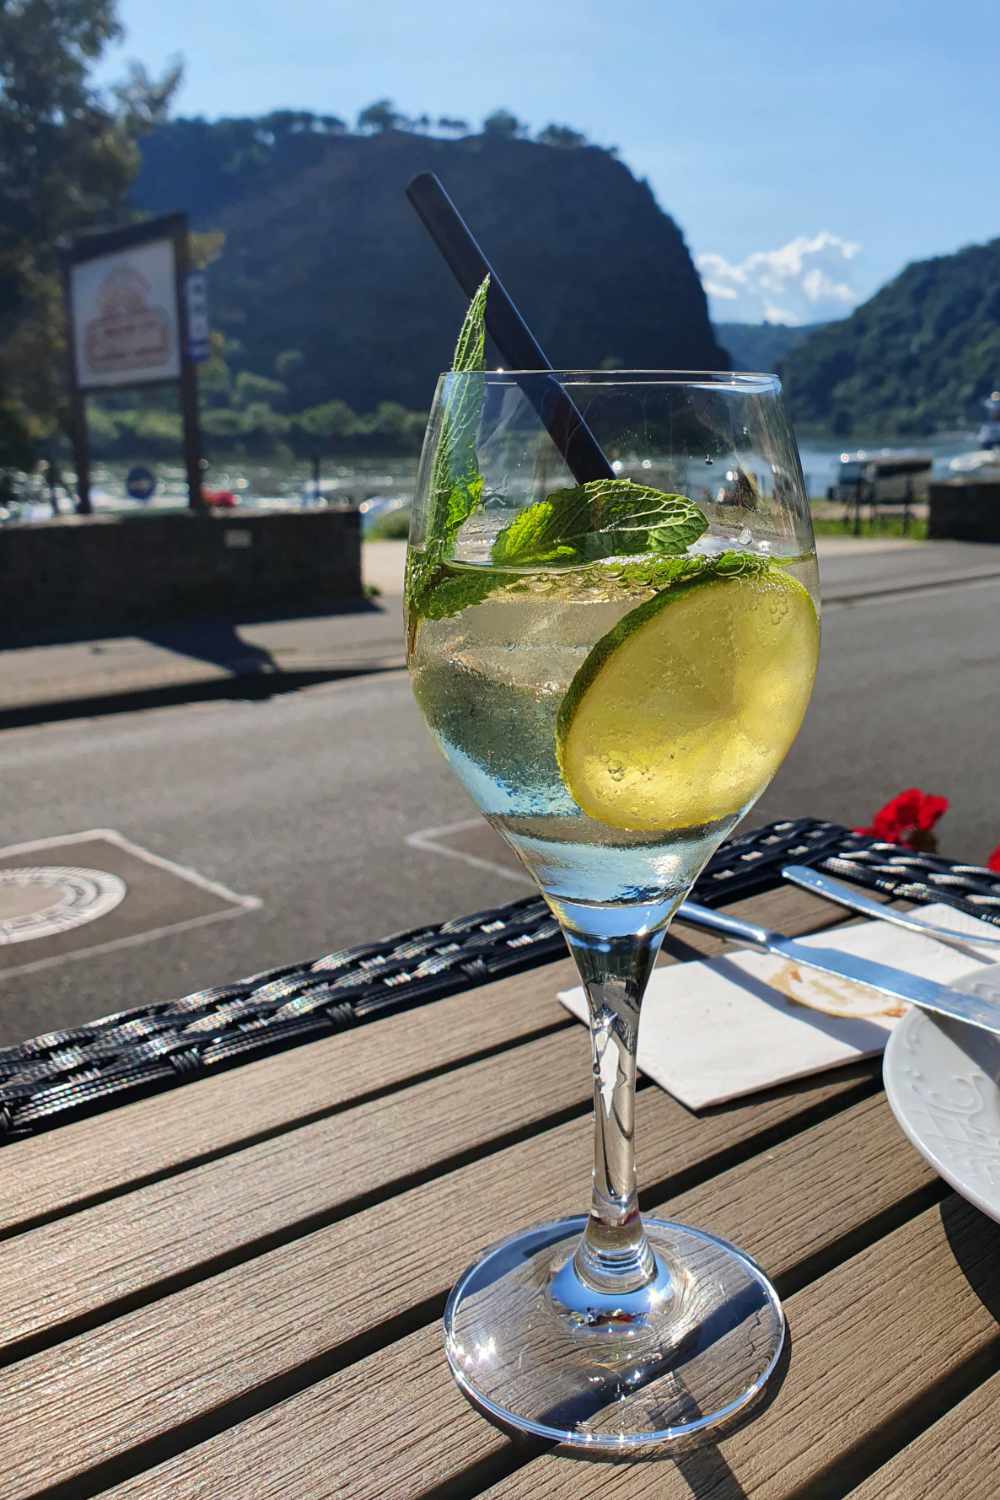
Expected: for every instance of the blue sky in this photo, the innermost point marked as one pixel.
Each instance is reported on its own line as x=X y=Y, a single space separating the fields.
x=807 y=148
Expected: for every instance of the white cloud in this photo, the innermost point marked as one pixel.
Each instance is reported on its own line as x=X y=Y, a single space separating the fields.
x=720 y=290
x=801 y=282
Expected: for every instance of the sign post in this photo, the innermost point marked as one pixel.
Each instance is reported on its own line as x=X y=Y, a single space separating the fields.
x=127 y=311
x=77 y=411
x=188 y=372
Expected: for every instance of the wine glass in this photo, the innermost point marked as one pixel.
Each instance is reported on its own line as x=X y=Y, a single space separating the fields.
x=615 y=669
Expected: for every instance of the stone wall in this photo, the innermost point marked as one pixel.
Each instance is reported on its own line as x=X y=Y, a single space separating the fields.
x=90 y=574
x=965 y=511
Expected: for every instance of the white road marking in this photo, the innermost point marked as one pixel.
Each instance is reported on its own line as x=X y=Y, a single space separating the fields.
x=124 y=942
x=426 y=839
x=240 y=904
x=112 y=836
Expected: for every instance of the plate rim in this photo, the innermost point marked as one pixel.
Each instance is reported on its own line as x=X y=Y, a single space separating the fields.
x=891 y=1071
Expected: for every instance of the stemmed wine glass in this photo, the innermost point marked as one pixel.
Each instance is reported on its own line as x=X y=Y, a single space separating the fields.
x=615 y=670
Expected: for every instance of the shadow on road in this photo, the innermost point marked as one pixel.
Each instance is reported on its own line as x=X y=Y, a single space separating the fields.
x=215 y=641
x=252 y=687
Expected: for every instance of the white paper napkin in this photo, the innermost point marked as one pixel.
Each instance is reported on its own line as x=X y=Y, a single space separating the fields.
x=722 y=1027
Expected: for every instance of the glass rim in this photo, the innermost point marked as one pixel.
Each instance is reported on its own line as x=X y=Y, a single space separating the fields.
x=752 y=381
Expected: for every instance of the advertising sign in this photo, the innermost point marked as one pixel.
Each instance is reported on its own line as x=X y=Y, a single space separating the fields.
x=125 y=319
x=129 y=294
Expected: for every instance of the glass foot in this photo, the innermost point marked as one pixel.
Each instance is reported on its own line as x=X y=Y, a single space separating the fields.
x=532 y=1346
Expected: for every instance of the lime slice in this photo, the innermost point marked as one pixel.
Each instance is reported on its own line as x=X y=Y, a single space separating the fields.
x=683 y=712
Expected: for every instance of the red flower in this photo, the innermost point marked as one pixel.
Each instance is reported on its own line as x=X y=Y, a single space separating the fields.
x=908 y=819
x=993 y=863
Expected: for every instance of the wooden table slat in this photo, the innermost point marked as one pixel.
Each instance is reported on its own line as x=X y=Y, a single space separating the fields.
x=403 y=1400
x=222 y=1338
x=869 y=1338
x=247 y=1273
x=110 y=1253
x=149 y=1137
x=958 y=1456
x=114 y=1250
x=138 y=1141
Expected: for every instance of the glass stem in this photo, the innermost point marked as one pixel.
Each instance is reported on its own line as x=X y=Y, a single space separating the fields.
x=613 y=1255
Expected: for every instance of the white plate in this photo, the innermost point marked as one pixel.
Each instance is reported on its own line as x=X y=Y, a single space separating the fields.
x=942 y=1080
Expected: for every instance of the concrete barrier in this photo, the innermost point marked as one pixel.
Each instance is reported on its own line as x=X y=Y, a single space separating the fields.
x=964 y=511
x=89 y=574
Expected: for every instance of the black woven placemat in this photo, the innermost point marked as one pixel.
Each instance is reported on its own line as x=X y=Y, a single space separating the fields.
x=64 y=1074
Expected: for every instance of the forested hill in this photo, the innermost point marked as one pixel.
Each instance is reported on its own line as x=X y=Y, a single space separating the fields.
x=325 y=259
x=917 y=358
x=762 y=346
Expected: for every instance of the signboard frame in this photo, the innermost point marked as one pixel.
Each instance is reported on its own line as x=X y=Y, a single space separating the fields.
x=94 y=246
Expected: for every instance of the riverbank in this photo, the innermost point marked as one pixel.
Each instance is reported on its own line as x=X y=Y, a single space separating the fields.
x=278 y=480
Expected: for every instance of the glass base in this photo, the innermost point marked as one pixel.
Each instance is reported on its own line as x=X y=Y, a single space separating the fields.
x=541 y=1353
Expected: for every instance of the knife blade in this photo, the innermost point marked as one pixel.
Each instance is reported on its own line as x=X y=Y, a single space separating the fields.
x=927 y=994
x=845 y=895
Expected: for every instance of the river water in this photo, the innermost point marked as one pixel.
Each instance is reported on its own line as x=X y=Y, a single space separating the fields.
x=266 y=483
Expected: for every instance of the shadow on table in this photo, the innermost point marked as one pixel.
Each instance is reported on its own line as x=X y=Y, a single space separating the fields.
x=975 y=1243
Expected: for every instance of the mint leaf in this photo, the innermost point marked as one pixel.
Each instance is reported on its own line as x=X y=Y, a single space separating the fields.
x=434 y=592
x=422 y=571
x=602 y=518
x=470 y=350
x=457 y=591
x=456 y=483
x=663 y=572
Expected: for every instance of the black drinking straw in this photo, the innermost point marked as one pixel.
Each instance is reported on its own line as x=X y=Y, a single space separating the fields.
x=518 y=346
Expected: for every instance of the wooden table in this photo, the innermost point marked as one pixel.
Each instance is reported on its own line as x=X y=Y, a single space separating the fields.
x=234 y=1289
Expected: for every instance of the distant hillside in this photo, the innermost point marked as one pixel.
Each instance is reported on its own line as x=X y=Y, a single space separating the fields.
x=325 y=259
x=918 y=357
x=762 y=346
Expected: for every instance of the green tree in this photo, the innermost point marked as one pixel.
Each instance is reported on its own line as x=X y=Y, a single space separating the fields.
x=144 y=101
x=16 y=448
x=157 y=433
x=332 y=420
x=263 y=427
x=395 y=428
x=561 y=135
x=452 y=125
x=287 y=365
x=223 y=423
x=250 y=389
x=502 y=123
x=378 y=117
x=67 y=157
x=215 y=381
x=103 y=427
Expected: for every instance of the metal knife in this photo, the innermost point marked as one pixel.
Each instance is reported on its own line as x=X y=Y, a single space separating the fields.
x=925 y=993
x=845 y=895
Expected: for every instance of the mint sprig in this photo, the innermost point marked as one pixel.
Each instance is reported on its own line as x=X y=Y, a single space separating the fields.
x=602 y=518
x=580 y=527
x=456 y=484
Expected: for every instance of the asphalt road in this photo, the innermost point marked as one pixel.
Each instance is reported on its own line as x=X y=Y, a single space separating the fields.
x=306 y=800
